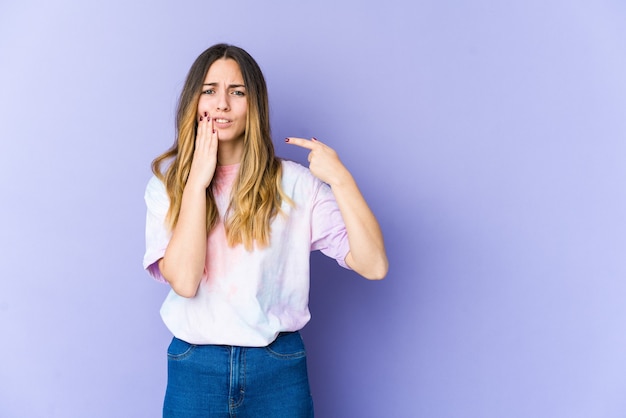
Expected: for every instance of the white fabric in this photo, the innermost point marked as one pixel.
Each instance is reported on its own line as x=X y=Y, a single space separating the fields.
x=247 y=297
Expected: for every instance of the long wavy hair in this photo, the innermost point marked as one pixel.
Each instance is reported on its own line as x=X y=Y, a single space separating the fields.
x=257 y=195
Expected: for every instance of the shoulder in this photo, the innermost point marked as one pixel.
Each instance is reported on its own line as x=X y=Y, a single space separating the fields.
x=290 y=166
x=155 y=185
x=296 y=172
x=299 y=183
x=156 y=191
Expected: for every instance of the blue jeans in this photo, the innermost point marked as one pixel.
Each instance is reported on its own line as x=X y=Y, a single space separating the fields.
x=226 y=381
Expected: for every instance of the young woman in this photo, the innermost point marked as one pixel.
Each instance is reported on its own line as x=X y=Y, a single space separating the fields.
x=230 y=228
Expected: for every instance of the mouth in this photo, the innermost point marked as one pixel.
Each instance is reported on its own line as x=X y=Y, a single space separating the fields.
x=222 y=120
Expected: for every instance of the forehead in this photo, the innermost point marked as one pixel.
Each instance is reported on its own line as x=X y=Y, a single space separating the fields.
x=224 y=70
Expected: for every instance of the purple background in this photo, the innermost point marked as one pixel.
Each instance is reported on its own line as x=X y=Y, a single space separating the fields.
x=489 y=138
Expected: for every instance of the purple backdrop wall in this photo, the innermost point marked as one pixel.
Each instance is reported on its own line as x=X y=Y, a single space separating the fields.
x=489 y=138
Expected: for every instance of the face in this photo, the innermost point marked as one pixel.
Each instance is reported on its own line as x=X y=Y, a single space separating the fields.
x=224 y=99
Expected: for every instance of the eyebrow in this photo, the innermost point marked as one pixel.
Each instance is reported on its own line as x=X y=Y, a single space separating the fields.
x=230 y=86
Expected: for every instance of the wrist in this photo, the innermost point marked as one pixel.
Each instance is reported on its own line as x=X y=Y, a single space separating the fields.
x=195 y=186
x=343 y=180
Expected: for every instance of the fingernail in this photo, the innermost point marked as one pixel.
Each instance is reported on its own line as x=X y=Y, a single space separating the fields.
x=208 y=119
x=205 y=114
x=286 y=139
x=213 y=130
x=314 y=139
x=200 y=118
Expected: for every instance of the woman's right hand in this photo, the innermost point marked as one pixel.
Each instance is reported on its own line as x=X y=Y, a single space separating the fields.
x=184 y=260
x=204 y=159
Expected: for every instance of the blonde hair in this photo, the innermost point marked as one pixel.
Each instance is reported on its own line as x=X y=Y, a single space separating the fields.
x=257 y=194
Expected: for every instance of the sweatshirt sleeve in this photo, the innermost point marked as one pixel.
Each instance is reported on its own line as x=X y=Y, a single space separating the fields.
x=157 y=233
x=328 y=231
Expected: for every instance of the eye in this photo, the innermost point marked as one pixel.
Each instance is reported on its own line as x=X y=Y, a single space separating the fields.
x=209 y=91
x=238 y=93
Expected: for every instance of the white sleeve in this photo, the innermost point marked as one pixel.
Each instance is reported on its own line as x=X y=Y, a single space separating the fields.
x=157 y=233
x=328 y=230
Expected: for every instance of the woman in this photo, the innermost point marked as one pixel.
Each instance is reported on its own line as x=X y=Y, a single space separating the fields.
x=230 y=228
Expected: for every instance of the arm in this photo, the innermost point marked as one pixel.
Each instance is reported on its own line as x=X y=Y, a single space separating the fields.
x=367 y=254
x=183 y=263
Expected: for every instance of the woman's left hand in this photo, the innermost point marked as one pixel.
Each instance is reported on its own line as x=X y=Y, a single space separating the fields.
x=324 y=162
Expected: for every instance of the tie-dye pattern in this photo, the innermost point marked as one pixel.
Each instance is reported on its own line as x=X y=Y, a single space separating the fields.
x=247 y=297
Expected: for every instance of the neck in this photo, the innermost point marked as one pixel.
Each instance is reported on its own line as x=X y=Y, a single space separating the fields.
x=229 y=152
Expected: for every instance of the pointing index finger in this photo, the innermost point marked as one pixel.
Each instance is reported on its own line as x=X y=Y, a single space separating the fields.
x=301 y=142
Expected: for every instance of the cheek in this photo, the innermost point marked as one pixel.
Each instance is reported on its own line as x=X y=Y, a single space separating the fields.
x=243 y=110
x=203 y=104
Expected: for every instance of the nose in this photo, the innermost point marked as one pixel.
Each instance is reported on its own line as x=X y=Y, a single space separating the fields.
x=222 y=102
